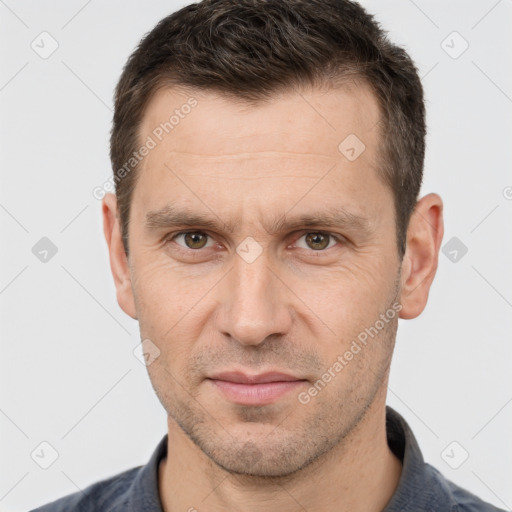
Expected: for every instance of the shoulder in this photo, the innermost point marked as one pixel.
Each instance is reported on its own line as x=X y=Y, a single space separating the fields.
x=422 y=486
x=109 y=495
x=133 y=490
x=460 y=499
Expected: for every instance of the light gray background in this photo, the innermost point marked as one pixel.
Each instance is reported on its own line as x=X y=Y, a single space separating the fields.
x=68 y=372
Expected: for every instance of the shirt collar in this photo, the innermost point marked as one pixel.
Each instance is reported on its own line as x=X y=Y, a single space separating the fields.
x=419 y=487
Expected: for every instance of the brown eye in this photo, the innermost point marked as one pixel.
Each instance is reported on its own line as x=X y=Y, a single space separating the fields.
x=191 y=245
x=317 y=241
x=195 y=239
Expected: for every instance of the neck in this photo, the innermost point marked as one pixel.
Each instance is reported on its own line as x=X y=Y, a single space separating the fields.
x=360 y=474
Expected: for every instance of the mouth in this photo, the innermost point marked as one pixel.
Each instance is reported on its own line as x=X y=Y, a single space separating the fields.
x=260 y=389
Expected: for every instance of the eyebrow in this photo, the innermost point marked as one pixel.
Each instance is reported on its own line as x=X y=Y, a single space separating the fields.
x=170 y=217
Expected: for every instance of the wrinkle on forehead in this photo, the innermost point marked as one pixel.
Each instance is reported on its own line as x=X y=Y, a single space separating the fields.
x=244 y=155
x=250 y=166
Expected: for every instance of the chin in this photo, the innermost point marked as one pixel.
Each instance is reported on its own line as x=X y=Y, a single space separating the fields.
x=261 y=456
x=251 y=461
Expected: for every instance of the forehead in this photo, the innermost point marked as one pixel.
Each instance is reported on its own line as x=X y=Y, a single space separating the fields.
x=312 y=121
x=302 y=150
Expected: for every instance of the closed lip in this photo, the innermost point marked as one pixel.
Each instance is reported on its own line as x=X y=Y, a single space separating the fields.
x=262 y=378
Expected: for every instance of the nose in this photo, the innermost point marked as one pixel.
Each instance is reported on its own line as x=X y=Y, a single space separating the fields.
x=255 y=303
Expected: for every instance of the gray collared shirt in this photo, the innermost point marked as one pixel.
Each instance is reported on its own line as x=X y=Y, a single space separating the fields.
x=421 y=486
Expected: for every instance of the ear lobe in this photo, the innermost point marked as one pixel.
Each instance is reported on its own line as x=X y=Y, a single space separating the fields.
x=117 y=255
x=419 y=265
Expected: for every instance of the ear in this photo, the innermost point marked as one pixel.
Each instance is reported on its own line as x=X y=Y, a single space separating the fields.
x=424 y=236
x=118 y=260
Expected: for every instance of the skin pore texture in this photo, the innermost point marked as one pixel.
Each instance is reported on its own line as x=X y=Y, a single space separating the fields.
x=291 y=299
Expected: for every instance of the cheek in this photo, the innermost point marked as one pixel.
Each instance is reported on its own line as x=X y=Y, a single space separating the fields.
x=163 y=291
x=172 y=307
x=346 y=300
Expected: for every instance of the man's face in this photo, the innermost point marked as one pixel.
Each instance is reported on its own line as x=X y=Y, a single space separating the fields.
x=259 y=292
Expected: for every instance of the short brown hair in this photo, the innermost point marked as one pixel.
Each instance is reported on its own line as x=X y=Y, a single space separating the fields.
x=249 y=50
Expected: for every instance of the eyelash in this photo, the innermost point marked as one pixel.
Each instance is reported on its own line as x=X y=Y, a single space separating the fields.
x=337 y=238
